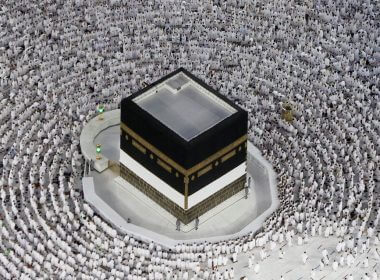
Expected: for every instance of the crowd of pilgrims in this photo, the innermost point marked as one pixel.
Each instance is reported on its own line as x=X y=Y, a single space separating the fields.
x=60 y=59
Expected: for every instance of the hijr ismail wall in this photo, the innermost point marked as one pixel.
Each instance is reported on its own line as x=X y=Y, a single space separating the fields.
x=187 y=178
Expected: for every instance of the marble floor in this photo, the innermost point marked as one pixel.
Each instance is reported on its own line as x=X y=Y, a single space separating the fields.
x=292 y=268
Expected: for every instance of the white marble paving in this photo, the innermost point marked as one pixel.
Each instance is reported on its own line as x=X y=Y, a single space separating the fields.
x=292 y=268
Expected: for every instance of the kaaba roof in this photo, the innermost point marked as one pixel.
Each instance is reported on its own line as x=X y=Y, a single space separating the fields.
x=183 y=117
x=184 y=105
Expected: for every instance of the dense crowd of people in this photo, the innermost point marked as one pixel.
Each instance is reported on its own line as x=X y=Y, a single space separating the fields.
x=60 y=59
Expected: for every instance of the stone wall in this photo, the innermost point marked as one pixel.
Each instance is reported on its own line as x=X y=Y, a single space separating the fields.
x=185 y=216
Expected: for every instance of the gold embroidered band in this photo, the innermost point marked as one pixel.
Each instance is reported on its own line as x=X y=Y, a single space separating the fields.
x=146 y=145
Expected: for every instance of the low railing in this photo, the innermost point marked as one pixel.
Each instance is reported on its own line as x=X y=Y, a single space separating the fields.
x=89 y=133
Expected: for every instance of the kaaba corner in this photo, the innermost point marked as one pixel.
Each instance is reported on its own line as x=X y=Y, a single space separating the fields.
x=183 y=144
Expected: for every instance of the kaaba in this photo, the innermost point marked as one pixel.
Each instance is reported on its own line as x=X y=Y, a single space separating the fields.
x=183 y=144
